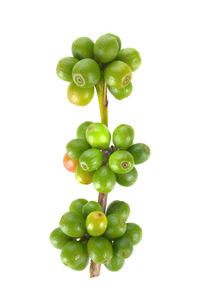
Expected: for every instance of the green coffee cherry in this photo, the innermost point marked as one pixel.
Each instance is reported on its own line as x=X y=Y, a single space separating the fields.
x=64 y=68
x=90 y=207
x=104 y=180
x=74 y=254
x=119 y=207
x=121 y=162
x=122 y=247
x=133 y=233
x=127 y=179
x=123 y=136
x=59 y=239
x=117 y=74
x=116 y=226
x=80 y=133
x=79 y=96
x=76 y=147
x=86 y=73
x=91 y=160
x=106 y=48
x=73 y=224
x=131 y=57
x=115 y=264
x=140 y=152
x=82 y=48
x=77 y=205
x=96 y=223
x=99 y=250
x=98 y=136
x=83 y=177
x=117 y=38
x=121 y=93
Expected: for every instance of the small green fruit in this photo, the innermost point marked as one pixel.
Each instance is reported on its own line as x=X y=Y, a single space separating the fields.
x=73 y=224
x=96 y=223
x=100 y=250
x=74 y=254
x=131 y=57
x=116 y=226
x=98 y=136
x=91 y=160
x=123 y=136
x=82 y=48
x=122 y=247
x=115 y=264
x=76 y=147
x=80 y=133
x=59 y=239
x=77 y=205
x=121 y=162
x=64 y=68
x=83 y=177
x=119 y=207
x=104 y=180
x=117 y=74
x=106 y=48
x=127 y=179
x=133 y=233
x=86 y=73
x=90 y=207
x=140 y=152
x=121 y=93
x=79 y=96
x=117 y=38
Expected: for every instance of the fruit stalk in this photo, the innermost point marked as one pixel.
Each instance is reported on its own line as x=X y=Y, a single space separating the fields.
x=101 y=89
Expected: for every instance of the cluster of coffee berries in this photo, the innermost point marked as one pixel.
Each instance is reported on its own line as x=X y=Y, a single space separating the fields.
x=92 y=61
x=85 y=231
x=92 y=158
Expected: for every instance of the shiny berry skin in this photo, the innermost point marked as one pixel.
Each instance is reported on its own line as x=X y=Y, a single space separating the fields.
x=58 y=239
x=140 y=152
x=104 y=180
x=122 y=247
x=96 y=223
x=86 y=73
x=90 y=207
x=80 y=133
x=69 y=163
x=77 y=205
x=91 y=160
x=76 y=147
x=117 y=38
x=117 y=74
x=131 y=57
x=64 y=68
x=98 y=136
x=106 y=48
x=82 y=48
x=119 y=207
x=121 y=93
x=127 y=179
x=73 y=224
x=123 y=136
x=74 y=254
x=99 y=250
x=121 y=162
x=79 y=96
x=133 y=233
x=82 y=176
x=116 y=226
x=115 y=264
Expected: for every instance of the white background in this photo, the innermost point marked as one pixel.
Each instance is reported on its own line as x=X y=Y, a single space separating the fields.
x=36 y=122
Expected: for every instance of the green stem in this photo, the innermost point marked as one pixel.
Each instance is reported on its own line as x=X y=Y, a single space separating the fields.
x=101 y=89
